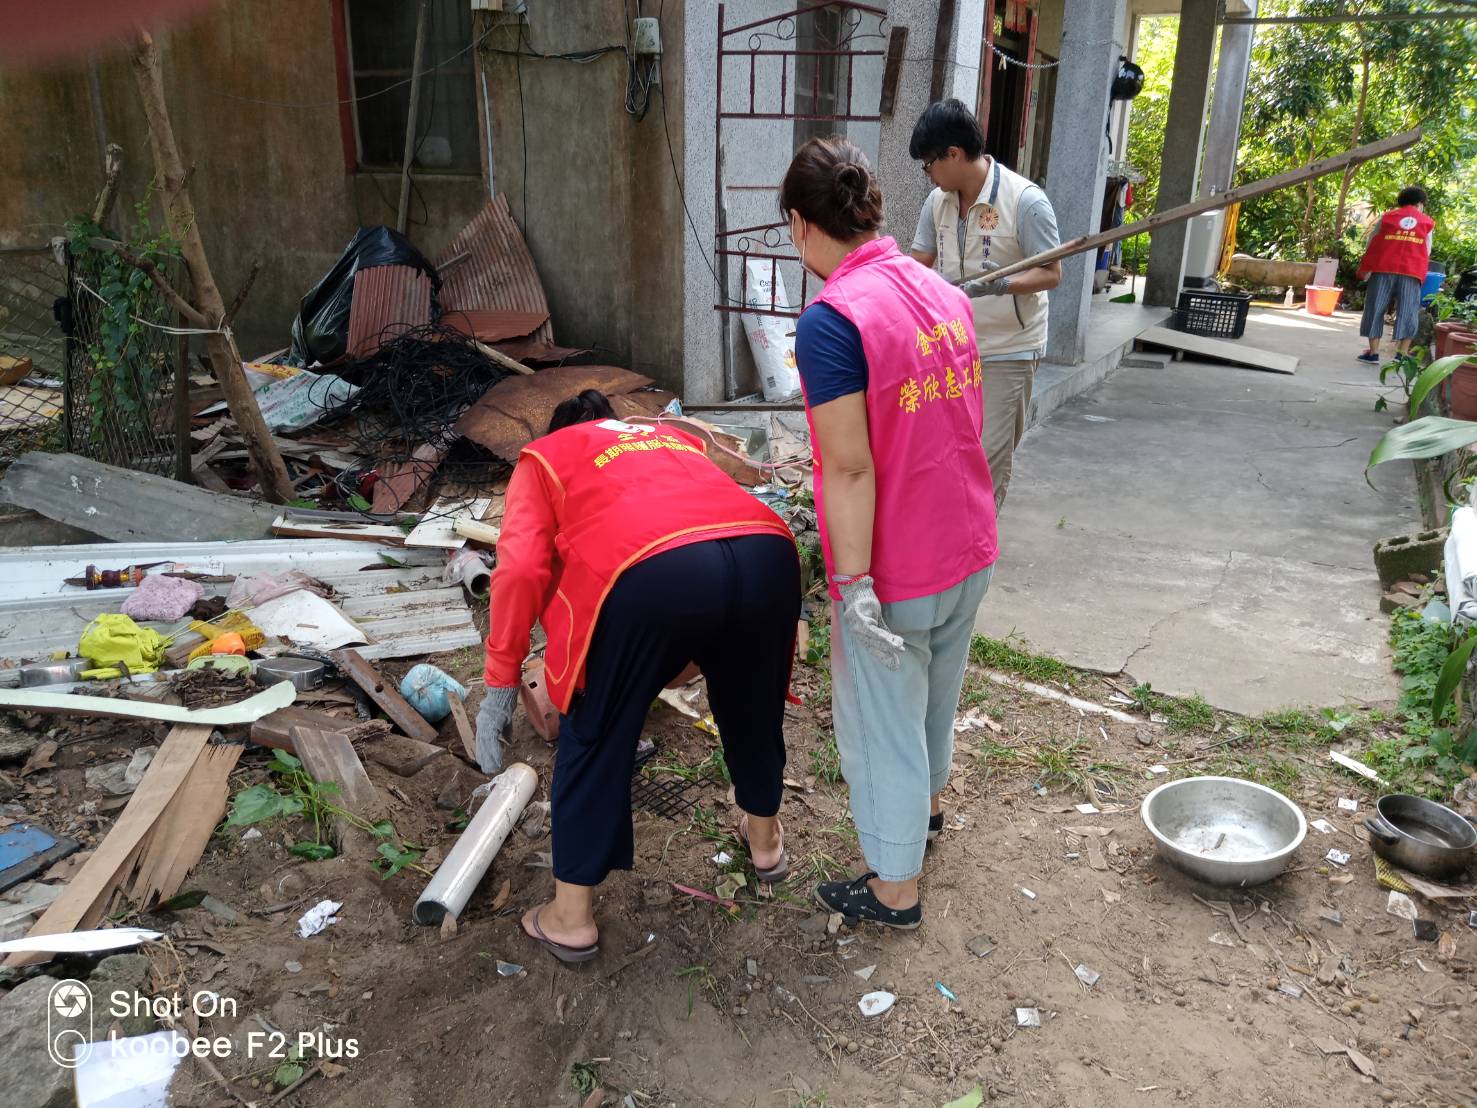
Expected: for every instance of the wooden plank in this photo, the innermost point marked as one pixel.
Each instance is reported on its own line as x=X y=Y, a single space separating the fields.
x=287 y=526
x=81 y=906
x=1231 y=350
x=478 y=531
x=1357 y=156
x=410 y=722
x=463 y=726
x=183 y=831
x=329 y=756
x=275 y=730
x=439 y=528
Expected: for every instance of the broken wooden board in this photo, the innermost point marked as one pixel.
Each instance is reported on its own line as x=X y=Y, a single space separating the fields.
x=438 y=526
x=463 y=726
x=182 y=832
x=127 y=506
x=404 y=757
x=86 y=896
x=292 y=525
x=384 y=693
x=1227 y=350
x=242 y=712
x=275 y=730
x=329 y=756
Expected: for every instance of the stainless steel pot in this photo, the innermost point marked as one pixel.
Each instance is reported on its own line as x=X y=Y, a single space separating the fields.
x=1421 y=835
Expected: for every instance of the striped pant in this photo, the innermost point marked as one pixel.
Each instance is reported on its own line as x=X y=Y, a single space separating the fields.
x=1384 y=287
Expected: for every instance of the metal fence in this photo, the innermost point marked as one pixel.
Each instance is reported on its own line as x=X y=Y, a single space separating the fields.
x=127 y=374
x=32 y=352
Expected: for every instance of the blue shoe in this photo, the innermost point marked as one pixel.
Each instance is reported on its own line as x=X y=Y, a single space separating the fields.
x=1370 y=356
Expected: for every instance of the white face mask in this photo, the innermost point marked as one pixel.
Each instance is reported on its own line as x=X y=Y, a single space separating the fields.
x=800 y=249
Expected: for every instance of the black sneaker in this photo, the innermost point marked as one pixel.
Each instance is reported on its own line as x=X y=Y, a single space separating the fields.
x=935 y=826
x=854 y=900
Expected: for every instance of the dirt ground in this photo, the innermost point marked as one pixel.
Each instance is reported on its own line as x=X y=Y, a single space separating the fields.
x=690 y=1004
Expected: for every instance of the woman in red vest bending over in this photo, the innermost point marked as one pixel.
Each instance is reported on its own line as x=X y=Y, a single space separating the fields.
x=638 y=556
x=1395 y=262
x=891 y=372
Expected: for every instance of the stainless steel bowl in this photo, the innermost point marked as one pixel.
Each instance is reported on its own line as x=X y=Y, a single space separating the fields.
x=1223 y=830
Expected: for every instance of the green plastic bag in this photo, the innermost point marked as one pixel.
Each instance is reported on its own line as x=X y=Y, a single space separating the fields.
x=113 y=638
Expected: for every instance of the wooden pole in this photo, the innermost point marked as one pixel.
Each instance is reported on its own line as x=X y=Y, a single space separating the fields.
x=180 y=217
x=402 y=216
x=1365 y=153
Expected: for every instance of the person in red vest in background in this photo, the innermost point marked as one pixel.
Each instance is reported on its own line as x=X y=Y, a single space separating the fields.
x=1395 y=263
x=638 y=556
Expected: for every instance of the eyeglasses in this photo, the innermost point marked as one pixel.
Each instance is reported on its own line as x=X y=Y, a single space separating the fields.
x=928 y=165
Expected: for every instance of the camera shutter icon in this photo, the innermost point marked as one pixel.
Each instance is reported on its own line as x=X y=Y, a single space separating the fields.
x=70 y=999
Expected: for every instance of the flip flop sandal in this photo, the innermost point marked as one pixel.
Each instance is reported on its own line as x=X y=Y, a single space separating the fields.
x=564 y=953
x=776 y=873
x=858 y=903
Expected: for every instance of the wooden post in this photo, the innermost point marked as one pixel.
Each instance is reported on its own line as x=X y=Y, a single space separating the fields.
x=209 y=307
x=403 y=215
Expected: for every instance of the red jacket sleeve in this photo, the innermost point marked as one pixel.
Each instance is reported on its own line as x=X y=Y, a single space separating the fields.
x=525 y=571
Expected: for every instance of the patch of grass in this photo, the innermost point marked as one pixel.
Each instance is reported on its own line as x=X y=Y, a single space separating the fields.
x=1281 y=774
x=1011 y=654
x=976 y=692
x=817 y=866
x=842 y=828
x=1183 y=713
x=818 y=649
x=825 y=761
x=698 y=977
x=585 y=1077
x=711 y=768
x=706 y=826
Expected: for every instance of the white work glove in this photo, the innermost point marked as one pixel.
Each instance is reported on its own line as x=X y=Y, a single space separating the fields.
x=984 y=284
x=493 y=719
x=861 y=611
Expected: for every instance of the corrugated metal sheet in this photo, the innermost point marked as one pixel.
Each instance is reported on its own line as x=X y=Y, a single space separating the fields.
x=487 y=325
x=405 y=610
x=386 y=295
x=500 y=273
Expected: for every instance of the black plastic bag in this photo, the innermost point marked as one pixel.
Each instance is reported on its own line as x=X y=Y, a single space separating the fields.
x=320 y=332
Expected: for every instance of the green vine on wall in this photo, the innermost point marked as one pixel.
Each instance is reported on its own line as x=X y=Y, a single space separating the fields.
x=128 y=371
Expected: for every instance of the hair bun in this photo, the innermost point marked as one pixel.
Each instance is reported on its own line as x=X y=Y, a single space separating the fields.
x=852 y=181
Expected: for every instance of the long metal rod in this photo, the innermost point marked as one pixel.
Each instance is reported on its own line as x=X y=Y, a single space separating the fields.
x=1166 y=218
x=411 y=118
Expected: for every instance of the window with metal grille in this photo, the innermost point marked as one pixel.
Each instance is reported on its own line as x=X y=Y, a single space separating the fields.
x=820 y=74
x=381 y=53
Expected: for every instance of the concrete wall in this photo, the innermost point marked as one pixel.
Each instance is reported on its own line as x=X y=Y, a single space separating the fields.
x=269 y=181
x=602 y=211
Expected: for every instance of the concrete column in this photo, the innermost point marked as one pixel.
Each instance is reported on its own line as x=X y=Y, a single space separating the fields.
x=1076 y=170
x=1183 y=130
x=1223 y=135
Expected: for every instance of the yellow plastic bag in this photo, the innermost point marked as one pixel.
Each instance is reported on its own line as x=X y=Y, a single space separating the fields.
x=113 y=638
x=252 y=636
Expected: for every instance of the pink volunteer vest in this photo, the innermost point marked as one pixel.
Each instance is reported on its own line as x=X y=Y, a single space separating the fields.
x=935 y=518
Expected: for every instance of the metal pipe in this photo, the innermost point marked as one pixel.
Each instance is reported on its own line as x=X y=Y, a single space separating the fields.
x=456 y=878
x=412 y=121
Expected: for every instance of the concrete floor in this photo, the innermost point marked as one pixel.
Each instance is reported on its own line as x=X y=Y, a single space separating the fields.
x=1207 y=528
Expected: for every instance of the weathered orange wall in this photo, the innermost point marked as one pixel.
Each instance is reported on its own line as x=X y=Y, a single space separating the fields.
x=269 y=180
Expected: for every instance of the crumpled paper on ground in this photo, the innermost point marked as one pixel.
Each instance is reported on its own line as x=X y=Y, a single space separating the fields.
x=317 y=918
x=163 y=598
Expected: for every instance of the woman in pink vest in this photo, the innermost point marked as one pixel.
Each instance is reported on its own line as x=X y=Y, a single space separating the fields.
x=892 y=382
x=1395 y=262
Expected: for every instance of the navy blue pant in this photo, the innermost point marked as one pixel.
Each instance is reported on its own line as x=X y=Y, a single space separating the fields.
x=730 y=605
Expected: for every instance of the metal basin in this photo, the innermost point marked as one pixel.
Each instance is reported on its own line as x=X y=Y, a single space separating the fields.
x=1223 y=830
x=1421 y=835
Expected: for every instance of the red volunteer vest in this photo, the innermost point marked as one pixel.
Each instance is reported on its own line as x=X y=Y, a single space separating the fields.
x=627 y=491
x=1400 y=244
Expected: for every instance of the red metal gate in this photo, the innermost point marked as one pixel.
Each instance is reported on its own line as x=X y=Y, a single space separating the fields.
x=840 y=34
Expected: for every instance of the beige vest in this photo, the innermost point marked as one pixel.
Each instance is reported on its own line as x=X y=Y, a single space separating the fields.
x=1002 y=324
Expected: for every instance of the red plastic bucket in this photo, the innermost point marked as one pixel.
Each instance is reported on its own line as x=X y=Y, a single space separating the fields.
x=1323 y=299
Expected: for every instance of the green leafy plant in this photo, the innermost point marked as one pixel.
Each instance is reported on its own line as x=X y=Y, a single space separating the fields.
x=1430 y=377
x=298 y=794
x=290 y=1070
x=585 y=1076
x=1406 y=370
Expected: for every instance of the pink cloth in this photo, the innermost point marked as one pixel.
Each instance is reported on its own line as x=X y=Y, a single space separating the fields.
x=935 y=518
x=162 y=598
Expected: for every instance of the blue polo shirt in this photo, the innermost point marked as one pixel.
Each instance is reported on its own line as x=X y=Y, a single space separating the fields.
x=828 y=351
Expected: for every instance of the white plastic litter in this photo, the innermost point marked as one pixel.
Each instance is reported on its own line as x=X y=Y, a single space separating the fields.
x=1087 y=975
x=132 y=1072
x=1347 y=805
x=874 y=1004
x=81 y=942
x=318 y=917
x=865 y=973
x=1158 y=771
x=771 y=337
x=1028 y=1017
x=1088 y=809
x=1401 y=905
x=1324 y=826
x=722 y=858
x=250 y=834
x=1338 y=857
x=1460 y=559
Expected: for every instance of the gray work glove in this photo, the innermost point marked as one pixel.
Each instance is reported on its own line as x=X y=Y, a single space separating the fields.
x=984 y=284
x=861 y=611
x=493 y=719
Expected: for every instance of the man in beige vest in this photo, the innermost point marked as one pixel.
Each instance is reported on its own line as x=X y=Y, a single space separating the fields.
x=1006 y=218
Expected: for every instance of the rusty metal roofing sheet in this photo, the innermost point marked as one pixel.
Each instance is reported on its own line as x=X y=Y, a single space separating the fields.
x=488 y=325
x=516 y=410
x=499 y=274
x=386 y=295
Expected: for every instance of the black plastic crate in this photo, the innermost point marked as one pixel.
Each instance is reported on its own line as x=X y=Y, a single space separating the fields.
x=1216 y=315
